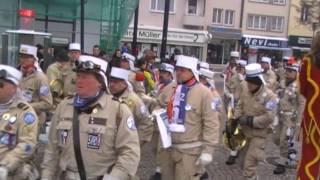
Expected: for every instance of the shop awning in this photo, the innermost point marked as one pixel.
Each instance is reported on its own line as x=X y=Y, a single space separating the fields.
x=225 y=33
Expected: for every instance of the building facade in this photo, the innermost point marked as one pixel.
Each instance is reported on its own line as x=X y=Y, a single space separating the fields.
x=225 y=28
x=302 y=26
x=265 y=29
x=187 y=27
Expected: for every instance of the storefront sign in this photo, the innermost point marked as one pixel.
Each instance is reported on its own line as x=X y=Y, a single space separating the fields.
x=263 y=42
x=155 y=35
x=300 y=41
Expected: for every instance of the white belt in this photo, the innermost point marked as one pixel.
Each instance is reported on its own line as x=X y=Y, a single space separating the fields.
x=187 y=145
x=287 y=113
x=75 y=176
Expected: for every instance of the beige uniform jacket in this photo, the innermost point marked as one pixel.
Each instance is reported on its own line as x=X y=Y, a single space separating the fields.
x=106 y=143
x=271 y=80
x=69 y=81
x=141 y=115
x=291 y=101
x=262 y=106
x=56 y=76
x=36 y=90
x=18 y=134
x=201 y=121
x=236 y=86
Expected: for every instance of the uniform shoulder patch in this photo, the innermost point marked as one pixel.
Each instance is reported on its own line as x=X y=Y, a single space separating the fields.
x=29 y=118
x=131 y=124
x=271 y=105
x=23 y=106
x=44 y=90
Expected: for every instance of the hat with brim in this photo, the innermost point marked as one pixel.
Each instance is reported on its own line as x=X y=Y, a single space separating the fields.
x=295 y=67
x=206 y=73
x=254 y=71
x=10 y=74
x=119 y=73
x=234 y=54
x=167 y=68
x=266 y=60
x=204 y=65
x=128 y=58
x=241 y=63
x=74 y=47
x=92 y=65
x=190 y=63
x=29 y=51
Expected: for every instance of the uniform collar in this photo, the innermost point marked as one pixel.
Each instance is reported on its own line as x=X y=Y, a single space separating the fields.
x=260 y=90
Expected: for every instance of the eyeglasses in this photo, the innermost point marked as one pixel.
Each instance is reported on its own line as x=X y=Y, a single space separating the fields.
x=87 y=65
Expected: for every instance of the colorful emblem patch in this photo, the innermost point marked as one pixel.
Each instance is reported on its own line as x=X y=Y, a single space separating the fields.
x=29 y=118
x=94 y=141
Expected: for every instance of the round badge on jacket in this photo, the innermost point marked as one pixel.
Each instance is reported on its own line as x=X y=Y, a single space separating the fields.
x=29 y=118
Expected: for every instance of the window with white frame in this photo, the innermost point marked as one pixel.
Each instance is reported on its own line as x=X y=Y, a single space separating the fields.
x=217 y=16
x=192 y=6
x=304 y=13
x=277 y=23
x=257 y=22
x=282 y=2
x=158 y=5
x=229 y=17
x=262 y=1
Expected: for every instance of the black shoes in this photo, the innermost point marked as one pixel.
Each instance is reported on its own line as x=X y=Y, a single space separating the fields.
x=204 y=176
x=231 y=160
x=156 y=176
x=280 y=169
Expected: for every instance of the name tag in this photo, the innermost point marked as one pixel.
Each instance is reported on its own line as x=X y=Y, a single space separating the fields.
x=95 y=120
x=94 y=141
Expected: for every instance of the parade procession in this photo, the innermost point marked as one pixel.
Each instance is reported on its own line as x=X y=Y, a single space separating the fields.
x=116 y=95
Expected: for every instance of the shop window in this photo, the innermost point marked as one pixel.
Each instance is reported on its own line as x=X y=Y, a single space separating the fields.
x=217 y=16
x=192 y=7
x=277 y=23
x=257 y=22
x=304 y=13
x=281 y=2
x=158 y=5
x=229 y=17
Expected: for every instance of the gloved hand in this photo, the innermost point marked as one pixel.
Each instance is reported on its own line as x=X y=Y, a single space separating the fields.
x=204 y=159
x=246 y=120
x=3 y=173
x=109 y=177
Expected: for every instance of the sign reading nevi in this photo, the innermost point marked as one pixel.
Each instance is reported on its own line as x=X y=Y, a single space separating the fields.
x=251 y=41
